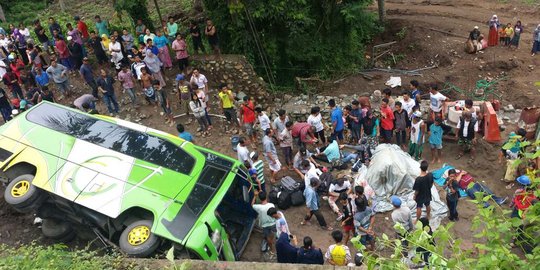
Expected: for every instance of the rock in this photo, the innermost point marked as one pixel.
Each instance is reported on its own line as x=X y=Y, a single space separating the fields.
x=505 y=118
x=531 y=67
x=509 y=108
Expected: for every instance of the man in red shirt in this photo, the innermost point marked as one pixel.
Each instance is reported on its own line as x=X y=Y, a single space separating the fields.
x=247 y=118
x=387 y=121
x=303 y=133
x=83 y=28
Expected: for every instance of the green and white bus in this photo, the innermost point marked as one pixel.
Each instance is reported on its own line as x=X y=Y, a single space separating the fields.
x=133 y=185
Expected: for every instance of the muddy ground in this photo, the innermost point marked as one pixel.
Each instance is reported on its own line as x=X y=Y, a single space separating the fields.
x=417 y=47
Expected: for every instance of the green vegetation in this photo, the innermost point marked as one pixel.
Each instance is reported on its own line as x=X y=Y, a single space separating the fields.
x=29 y=257
x=299 y=38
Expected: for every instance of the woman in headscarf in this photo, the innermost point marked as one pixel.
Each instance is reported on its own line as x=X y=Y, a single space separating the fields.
x=493 y=36
x=105 y=42
x=518 y=29
x=536 y=41
x=161 y=43
x=154 y=65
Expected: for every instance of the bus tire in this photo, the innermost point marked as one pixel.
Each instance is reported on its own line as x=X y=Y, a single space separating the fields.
x=57 y=230
x=22 y=195
x=137 y=240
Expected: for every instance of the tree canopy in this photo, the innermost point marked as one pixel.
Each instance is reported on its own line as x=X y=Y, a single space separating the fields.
x=298 y=37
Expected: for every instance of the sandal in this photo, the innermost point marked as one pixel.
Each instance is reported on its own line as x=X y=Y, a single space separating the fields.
x=328 y=228
x=305 y=222
x=459 y=156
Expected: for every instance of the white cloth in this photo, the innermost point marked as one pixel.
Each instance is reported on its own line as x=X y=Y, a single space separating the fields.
x=138 y=67
x=393 y=82
x=436 y=101
x=316 y=121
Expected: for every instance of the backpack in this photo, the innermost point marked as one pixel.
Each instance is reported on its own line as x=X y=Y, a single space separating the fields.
x=284 y=200
x=289 y=184
x=297 y=198
x=273 y=196
x=326 y=179
x=339 y=255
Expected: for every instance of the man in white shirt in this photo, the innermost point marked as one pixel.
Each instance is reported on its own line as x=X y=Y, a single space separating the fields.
x=311 y=171
x=302 y=155
x=137 y=66
x=407 y=103
x=200 y=80
x=243 y=152
x=341 y=185
x=263 y=119
x=437 y=106
x=467 y=128
x=115 y=48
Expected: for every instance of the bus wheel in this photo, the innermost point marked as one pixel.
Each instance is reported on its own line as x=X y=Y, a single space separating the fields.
x=57 y=230
x=22 y=195
x=137 y=240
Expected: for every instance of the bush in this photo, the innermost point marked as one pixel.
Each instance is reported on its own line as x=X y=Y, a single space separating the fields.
x=54 y=257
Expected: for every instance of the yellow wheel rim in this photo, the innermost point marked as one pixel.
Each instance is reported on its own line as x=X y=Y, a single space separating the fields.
x=20 y=189
x=138 y=235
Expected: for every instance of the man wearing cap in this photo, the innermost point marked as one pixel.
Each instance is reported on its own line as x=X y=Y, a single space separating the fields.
x=337 y=121
x=401 y=216
x=88 y=76
x=184 y=93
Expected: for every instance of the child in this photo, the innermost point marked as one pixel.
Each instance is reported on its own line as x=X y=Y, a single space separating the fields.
x=347 y=222
x=418 y=131
x=509 y=32
x=258 y=168
x=401 y=125
x=435 y=140
x=502 y=34
x=338 y=254
x=161 y=96
x=255 y=182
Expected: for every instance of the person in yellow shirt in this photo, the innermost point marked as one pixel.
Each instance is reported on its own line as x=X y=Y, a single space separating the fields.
x=509 y=32
x=226 y=102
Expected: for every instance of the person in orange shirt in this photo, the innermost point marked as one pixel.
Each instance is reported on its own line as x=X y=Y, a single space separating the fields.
x=502 y=34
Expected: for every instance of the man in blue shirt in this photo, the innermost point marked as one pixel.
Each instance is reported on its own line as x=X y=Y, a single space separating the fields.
x=415 y=93
x=312 y=203
x=337 y=121
x=183 y=134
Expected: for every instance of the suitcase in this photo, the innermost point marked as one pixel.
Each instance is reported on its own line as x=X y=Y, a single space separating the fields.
x=289 y=184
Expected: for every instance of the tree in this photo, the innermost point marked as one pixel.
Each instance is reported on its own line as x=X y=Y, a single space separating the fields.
x=297 y=37
x=137 y=9
x=2 y=15
x=382 y=12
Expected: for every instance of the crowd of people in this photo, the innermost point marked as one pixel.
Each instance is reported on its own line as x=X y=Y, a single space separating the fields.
x=30 y=68
x=310 y=150
x=508 y=35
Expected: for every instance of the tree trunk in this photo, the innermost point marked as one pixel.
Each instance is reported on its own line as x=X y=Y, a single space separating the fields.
x=382 y=13
x=2 y=15
x=62 y=5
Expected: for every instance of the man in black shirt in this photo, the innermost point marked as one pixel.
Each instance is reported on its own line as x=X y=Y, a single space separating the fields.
x=5 y=107
x=196 y=38
x=42 y=37
x=422 y=190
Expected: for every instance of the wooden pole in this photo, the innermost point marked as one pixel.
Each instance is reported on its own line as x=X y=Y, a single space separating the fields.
x=159 y=14
x=382 y=13
x=2 y=15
